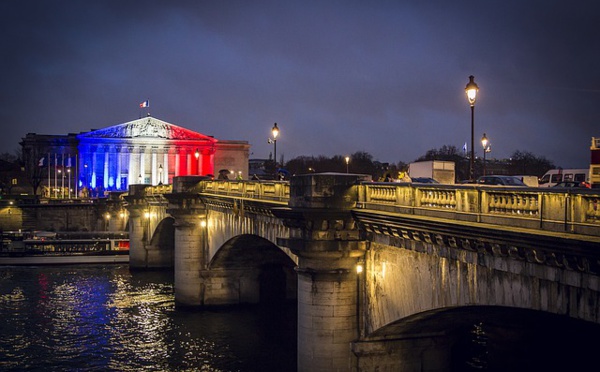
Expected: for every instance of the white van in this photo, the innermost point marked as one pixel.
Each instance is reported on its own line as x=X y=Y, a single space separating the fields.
x=554 y=176
x=531 y=181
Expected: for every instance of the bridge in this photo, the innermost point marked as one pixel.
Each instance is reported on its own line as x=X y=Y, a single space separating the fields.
x=382 y=272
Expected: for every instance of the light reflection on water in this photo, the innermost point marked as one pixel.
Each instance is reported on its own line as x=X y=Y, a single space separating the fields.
x=107 y=318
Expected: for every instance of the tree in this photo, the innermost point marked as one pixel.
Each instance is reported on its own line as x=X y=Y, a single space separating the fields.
x=525 y=163
x=360 y=162
x=36 y=167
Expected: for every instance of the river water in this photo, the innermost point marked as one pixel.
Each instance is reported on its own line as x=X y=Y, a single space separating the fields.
x=106 y=318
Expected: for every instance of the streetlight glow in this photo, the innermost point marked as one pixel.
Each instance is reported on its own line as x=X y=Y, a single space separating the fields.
x=485 y=143
x=275 y=132
x=347 y=163
x=471 y=89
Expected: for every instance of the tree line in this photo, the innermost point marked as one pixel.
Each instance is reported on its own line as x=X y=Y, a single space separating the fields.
x=519 y=163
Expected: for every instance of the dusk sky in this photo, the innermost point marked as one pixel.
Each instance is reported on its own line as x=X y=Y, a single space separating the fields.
x=384 y=77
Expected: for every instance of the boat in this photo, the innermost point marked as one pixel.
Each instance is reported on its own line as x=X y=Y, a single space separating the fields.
x=47 y=248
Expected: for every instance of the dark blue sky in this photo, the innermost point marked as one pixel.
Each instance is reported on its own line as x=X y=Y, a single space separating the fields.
x=385 y=77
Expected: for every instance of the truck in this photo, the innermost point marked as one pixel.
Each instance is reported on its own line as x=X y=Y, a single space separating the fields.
x=440 y=170
x=594 y=172
x=554 y=176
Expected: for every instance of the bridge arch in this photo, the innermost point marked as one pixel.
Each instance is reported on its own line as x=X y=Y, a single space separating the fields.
x=250 y=269
x=470 y=338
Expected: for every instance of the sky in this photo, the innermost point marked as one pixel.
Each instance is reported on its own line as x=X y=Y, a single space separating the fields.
x=383 y=77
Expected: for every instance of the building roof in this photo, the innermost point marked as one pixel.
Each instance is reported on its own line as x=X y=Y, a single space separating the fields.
x=147 y=127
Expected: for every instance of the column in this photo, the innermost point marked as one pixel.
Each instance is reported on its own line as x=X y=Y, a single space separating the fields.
x=188 y=159
x=165 y=179
x=177 y=161
x=153 y=178
x=106 y=161
x=142 y=174
x=119 y=166
x=94 y=167
x=132 y=167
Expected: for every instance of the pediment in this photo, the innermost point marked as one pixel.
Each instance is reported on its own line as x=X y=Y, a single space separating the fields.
x=148 y=127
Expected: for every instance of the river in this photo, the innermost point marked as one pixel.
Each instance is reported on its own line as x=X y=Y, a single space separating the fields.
x=108 y=318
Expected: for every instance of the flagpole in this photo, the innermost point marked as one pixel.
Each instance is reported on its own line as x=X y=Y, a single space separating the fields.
x=62 y=176
x=69 y=175
x=76 y=179
x=55 y=177
x=49 y=180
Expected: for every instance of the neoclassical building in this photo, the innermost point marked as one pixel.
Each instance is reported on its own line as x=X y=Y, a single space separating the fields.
x=143 y=151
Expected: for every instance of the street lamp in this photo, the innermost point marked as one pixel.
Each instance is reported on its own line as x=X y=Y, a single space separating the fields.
x=471 y=89
x=484 y=144
x=69 y=175
x=62 y=184
x=275 y=132
x=160 y=174
x=347 y=162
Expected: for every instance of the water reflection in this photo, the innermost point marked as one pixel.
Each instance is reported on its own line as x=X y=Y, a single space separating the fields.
x=107 y=318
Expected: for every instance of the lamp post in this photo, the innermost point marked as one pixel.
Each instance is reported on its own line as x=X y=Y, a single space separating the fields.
x=275 y=132
x=484 y=144
x=160 y=174
x=62 y=184
x=347 y=163
x=471 y=90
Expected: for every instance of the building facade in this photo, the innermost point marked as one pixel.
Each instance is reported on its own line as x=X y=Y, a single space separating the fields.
x=143 y=151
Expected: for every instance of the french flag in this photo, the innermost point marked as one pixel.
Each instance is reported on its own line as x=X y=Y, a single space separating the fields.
x=146 y=103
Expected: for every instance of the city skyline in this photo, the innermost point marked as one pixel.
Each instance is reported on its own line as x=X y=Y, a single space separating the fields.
x=386 y=78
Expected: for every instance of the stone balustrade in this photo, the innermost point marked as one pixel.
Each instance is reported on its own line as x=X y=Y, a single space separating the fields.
x=263 y=190
x=573 y=211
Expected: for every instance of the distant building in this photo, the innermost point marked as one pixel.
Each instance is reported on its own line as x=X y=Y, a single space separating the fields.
x=258 y=168
x=13 y=180
x=144 y=151
x=594 y=174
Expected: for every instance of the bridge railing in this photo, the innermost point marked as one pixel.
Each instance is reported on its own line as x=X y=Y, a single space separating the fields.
x=573 y=211
x=278 y=191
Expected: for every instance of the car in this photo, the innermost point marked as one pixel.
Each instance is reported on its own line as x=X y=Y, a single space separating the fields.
x=500 y=180
x=571 y=184
x=423 y=180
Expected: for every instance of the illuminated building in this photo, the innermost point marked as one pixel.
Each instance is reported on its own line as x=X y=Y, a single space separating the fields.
x=143 y=151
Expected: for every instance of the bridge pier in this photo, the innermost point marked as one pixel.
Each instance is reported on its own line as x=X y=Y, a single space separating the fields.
x=137 y=238
x=326 y=240
x=143 y=219
x=191 y=248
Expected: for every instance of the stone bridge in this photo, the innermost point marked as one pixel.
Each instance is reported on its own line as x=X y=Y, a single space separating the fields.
x=384 y=273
